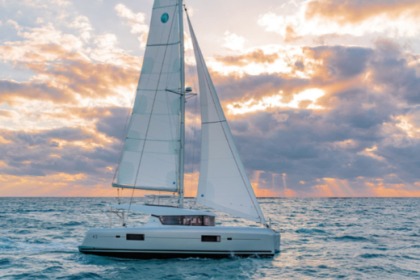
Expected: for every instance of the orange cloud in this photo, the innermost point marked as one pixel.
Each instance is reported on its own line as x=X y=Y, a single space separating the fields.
x=381 y=189
x=65 y=81
x=362 y=187
x=348 y=11
x=332 y=187
x=58 y=184
x=256 y=56
x=63 y=68
x=269 y=184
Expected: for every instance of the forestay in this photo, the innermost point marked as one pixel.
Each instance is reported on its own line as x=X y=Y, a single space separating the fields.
x=223 y=183
x=150 y=157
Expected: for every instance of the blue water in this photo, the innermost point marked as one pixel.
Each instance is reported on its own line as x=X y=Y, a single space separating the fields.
x=366 y=238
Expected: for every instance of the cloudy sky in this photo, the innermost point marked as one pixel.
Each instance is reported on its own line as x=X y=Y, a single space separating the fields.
x=323 y=96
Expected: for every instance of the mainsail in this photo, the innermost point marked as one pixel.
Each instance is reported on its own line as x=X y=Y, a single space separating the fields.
x=151 y=154
x=223 y=183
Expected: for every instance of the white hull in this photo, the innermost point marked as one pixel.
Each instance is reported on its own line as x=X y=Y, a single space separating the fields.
x=162 y=241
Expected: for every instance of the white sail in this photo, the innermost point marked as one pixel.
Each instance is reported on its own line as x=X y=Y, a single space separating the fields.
x=151 y=155
x=223 y=183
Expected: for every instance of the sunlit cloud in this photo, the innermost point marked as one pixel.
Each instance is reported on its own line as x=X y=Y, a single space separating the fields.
x=234 y=42
x=270 y=184
x=58 y=184
x=353 y=11
x=263 y=60
x=332 y=187
x=305 y=99
x=371 y=152
x=135 y=20
x=410 y=124
x=330 y=110
x=83 y=24
x=338 y=18
x=65 y=70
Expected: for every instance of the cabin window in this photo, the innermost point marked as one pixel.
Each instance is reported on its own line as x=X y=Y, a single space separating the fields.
x=170 y=220
x=192 y=220
x=131 y=236
x=210 y=238
x=208 y=221
x=196 y=220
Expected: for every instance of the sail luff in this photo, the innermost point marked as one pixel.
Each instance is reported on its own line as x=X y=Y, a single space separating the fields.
x=223 y=183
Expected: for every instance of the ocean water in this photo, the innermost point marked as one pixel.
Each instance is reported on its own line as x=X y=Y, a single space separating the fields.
x=357 y=238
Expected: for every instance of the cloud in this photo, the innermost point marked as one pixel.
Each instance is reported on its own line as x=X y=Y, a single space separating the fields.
x=60 y=119
x=83 y=24
x=335 y=62
x=350 y=11
x=64 y=69
x=356 y=134
x=112 y=123
x=309 y=120
x=57 y=184
x=10 y=90
x=64 y=150
x=42 y=5
x=257 y=61
x=234 y=42
x=135 y=20
x=330 y=20
x=256 y=56
x=399 y=77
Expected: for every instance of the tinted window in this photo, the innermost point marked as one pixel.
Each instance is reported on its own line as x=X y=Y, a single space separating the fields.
x=187 y=220
x=210 y=238
x=131 y=236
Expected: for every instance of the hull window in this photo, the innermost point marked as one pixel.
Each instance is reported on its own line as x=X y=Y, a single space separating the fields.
x=130 y=236
x=210 y=238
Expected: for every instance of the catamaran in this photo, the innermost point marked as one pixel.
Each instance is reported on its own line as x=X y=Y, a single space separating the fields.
x=153 y=159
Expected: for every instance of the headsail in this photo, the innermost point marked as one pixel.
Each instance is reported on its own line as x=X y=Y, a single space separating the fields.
x=223 y=183
x=151 y=155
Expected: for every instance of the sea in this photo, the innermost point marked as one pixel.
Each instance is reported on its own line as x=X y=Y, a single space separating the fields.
x=321 y=238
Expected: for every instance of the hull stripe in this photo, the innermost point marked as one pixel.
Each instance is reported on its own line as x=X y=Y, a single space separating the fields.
x=142 y=254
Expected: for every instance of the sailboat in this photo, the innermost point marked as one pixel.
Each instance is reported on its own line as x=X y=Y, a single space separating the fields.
x=153 y=159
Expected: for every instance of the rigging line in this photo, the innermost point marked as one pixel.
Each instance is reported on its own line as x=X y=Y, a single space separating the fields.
x=153 y=104
x=131 y=201
x=209 y=86
x=195 y=136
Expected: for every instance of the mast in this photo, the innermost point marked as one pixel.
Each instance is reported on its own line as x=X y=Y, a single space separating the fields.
x=182 y=100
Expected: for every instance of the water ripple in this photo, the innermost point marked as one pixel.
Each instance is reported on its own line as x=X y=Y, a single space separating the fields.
x=337 y=238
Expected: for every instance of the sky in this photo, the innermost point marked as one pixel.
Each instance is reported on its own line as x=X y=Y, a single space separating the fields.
x=322 y=96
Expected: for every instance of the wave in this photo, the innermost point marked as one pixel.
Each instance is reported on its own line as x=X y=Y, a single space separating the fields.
x=351 y=238
x=371 y=256
x=310 y=231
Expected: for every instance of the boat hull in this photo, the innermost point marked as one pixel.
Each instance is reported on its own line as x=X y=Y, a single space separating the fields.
x=181 y=242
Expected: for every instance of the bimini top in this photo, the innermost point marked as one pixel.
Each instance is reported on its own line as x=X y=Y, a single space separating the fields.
x=162 y=210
